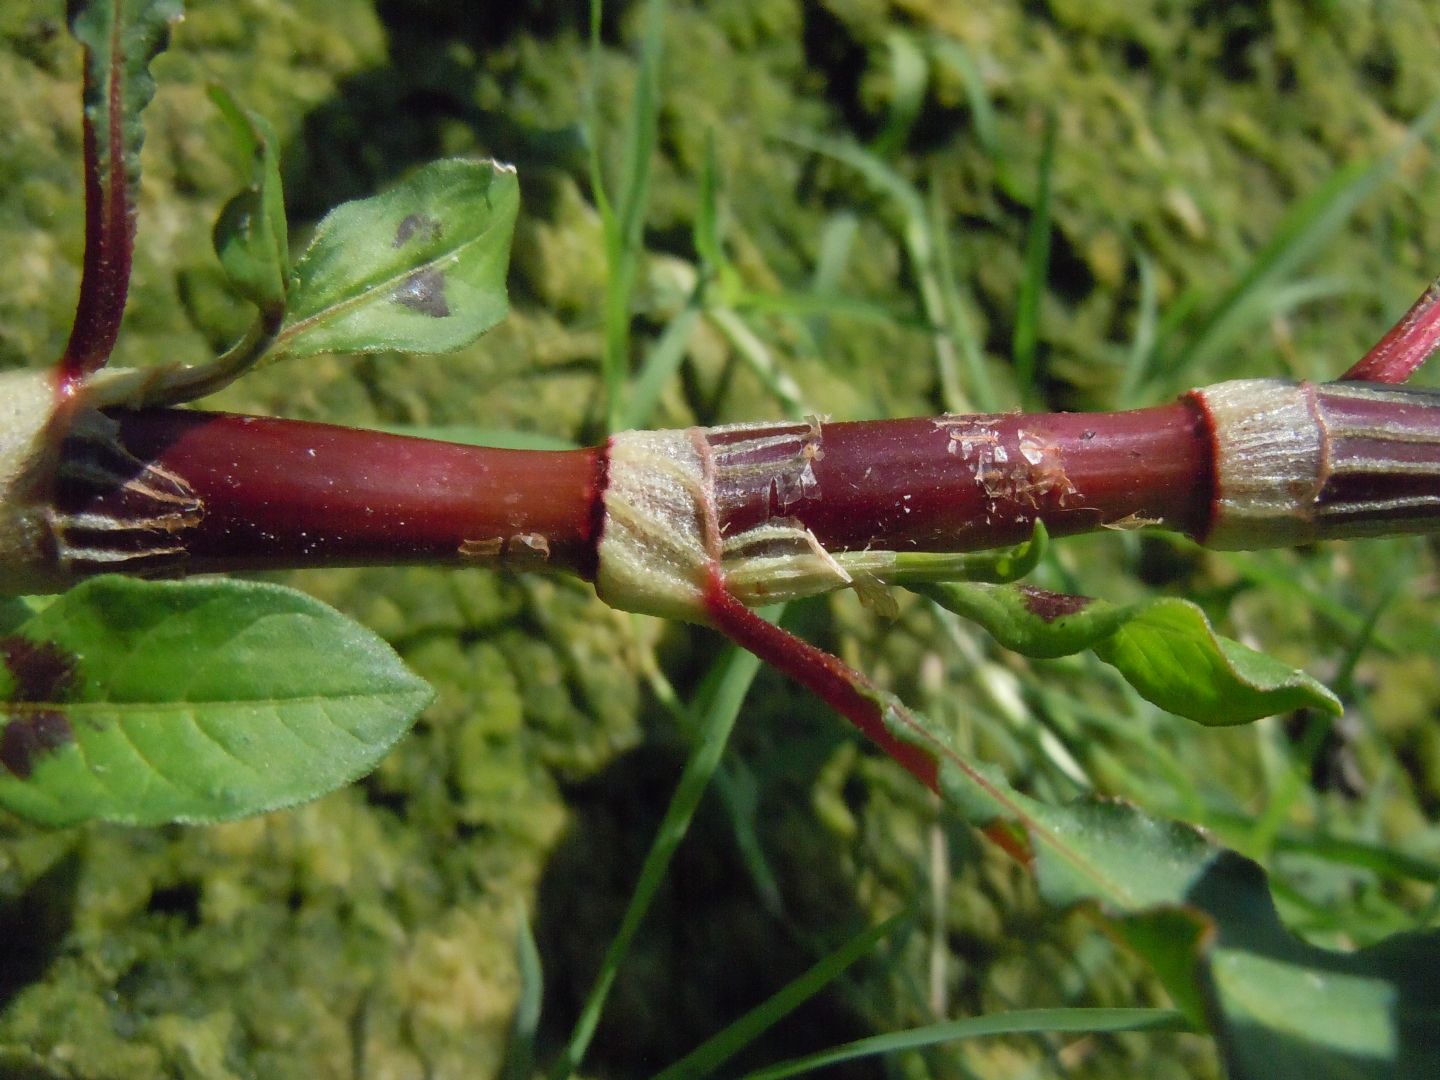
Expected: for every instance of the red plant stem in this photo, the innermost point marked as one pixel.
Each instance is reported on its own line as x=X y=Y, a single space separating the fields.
x=969 y=482
x=1246 y=464
x=282 y=493
x=831 y=680
x=109 y=235
x=1405 y=346
x=845 y=690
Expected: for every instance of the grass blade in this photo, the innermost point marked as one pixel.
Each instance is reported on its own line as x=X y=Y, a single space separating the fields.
x=923 y=235
x=1020 y=1022
x=1147 y=324
x=714 y=1052
x=661 y=363
x=909 y=77
x=520 y=1058
x=958 y=327
x=623 y=219
x=760 y=359
x=1309 y=225
x=718 y=705
x=1037 y=271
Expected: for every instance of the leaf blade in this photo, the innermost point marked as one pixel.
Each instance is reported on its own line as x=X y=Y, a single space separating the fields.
x=1203 y=918
x=251 y=237
x=1165 y=648
x=419 y=268
x=194 y=701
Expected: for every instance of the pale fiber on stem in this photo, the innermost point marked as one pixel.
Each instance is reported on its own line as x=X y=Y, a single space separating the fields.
x=1299 y=462
x=27 y=399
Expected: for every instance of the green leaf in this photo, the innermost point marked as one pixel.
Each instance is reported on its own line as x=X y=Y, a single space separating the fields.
x=1204 y=919
x=1165 y=648
x=1170 y=654
x=420 y=268
x=150 y=702
x=251 y=236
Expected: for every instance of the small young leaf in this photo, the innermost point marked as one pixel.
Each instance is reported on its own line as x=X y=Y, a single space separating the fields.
x=1165 y=648
x=251 y=236
x=120 y=40
x=420 y=268
x=150 y=702
x=1171 y=655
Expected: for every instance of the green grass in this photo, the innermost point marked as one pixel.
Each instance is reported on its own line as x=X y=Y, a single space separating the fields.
x=623 y=214
x=716 y=707
x=1038 y=1021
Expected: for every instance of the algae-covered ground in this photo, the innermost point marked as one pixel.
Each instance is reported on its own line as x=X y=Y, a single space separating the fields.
x=374 y=933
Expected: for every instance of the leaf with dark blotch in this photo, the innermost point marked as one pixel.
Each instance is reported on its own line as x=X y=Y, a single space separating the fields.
x=420 y=268
x=1165 y=648
x=150 y=702
x=120 y=40
x=40 y=675
x=424 y=291
x=251 y=237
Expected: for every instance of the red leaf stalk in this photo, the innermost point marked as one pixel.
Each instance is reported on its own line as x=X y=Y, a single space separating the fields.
x=109 y=230
x=1405 y=346
x=877 y=714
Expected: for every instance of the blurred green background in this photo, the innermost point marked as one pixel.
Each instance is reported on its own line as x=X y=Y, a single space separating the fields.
x=1235 y=189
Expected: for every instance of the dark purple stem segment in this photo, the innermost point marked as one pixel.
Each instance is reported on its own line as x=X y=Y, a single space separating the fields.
x=109 y=232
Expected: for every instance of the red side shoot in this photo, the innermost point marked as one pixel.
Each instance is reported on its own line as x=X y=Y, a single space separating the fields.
x=1406 y=345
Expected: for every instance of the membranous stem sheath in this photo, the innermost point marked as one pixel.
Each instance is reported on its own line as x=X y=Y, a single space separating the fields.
x=1298 y=462
x=788 y=510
